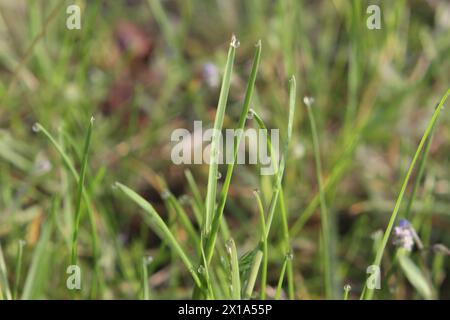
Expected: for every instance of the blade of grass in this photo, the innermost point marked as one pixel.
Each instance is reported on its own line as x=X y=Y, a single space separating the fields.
x=145 y=285
x=184 y=219
x=195 y=193
x=35 y=278
x=66 y=160
x=280 y=280
x=368 y=293
x=80 y=189
x=280 y=172
x=237 y=139
x=327 y=260
x=235 y=288
x=5 y=292
x=347 y=289
x=162 y=228
x=28 y=53
x=253 y=274
x=20 y=246
x=210 y=201
x=420 y=172
x=262 y=222
x=278 y=185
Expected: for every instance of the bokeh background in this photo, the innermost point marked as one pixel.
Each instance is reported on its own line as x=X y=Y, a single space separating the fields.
x=145 y=68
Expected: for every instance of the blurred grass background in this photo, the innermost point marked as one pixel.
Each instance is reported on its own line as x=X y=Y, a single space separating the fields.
x=145 y=68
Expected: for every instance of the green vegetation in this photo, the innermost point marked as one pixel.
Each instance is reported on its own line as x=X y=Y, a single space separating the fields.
x=373 y=147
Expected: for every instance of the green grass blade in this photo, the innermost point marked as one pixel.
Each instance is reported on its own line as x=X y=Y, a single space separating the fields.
x=210 y=201
x=235 y=288
x=347 y=289
x=280 y=172
x=226 y=185
x=414 y=275
x=326 y=232
x=68 y=163
x=280 y=280
x=369 y=292
x=145 y=285
x=162 y=228
x=184 y=219
x=37 y=273
x=242 y=119
x=80 y=189
x=253 y=274
x=20 y=246
x=420 y=172
x=5 y=292
x=262 y=222
x=198 y=202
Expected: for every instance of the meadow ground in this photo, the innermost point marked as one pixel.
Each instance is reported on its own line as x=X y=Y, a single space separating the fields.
x=92 y=205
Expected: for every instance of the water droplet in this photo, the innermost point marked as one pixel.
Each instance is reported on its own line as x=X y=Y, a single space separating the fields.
x=36 y=127
x=22 y=242
x=250 y=114
x=347 y=287
x=308 y=101
x=235 y=42
x=219 y=175
x=201 y=269
x=289 y=255
x=148 y=260
x=229 y=245
x=92 y=119
x=165 y=194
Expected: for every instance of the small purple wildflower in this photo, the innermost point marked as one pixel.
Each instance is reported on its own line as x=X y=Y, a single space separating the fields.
x=211 y=74
x=404 y=235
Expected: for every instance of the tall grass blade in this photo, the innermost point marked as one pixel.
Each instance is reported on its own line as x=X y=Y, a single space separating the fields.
x=5 y=292
x=80 y=189
x=161 y=229
x=368 y=293
x=241 y=124
x=326 y=231
x=210 y=201
x=235 y=288
x=20 y=246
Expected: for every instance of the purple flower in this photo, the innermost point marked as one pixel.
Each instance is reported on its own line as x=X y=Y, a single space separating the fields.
x=404 y=235
x=211 y=74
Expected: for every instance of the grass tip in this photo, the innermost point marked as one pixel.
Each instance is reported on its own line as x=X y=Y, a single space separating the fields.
x=36 y=127
x=308 y=101
x=234 y=42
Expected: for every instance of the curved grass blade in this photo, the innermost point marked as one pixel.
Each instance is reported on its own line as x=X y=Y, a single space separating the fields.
x=368 y=293
x=162 y=228
x=66 y=160
x=326 y=232
x=210 y=201
x=241 y=124
x=280 y=280
x=253 y=274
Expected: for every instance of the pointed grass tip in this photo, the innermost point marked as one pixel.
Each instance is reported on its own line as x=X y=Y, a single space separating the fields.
x=234 y=42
